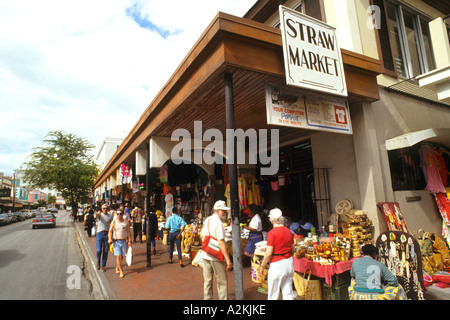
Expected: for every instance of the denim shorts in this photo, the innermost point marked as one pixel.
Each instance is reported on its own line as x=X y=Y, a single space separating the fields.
x=120 y=247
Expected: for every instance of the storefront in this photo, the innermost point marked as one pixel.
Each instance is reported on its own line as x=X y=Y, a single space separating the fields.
x=231 y=64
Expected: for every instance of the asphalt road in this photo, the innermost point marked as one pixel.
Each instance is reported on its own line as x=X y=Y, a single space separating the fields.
x=44 y=263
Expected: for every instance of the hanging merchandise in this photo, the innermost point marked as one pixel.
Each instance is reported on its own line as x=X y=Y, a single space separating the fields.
x=446 y=232
x=242 y=187
x=398 y=251
x=125 y=173
x=393 y=217
x=443 y=204
x=432 y=165
x=169 y=204
x=164 y=174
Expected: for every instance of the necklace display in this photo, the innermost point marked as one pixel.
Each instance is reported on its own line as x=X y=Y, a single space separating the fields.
x=397 y=250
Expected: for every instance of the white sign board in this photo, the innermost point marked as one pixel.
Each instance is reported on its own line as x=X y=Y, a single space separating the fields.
x=312 y=56
x=294 y=108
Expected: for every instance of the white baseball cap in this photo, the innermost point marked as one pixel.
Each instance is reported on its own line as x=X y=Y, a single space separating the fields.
x=220 y=205
x=275 y=213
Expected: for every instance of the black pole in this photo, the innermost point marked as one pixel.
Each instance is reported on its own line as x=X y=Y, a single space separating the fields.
x=234 y=195
x=147 y=208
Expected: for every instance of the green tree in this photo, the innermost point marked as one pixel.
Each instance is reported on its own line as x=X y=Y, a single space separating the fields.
x=63 y=163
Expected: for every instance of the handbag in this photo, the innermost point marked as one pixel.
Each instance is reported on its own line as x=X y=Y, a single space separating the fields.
x=210 y=245
x=313 y=288
x=165 y=238
x=441 y=252
x=93 y=231
x=299 y=284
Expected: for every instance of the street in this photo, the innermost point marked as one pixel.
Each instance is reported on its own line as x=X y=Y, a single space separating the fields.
x=44 y=263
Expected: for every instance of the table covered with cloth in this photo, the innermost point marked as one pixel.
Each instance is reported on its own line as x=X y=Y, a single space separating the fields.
x=322 y=271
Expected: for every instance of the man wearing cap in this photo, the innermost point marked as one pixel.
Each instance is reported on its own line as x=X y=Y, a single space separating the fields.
x=212 y=266
x=280 y=248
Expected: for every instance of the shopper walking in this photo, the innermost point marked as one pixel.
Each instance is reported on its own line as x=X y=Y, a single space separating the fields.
x=136 y=216
x=213 y=266
x=175 y=224
x=104 y=219
x=152 y=224
x=119 y=236
x=89 y=221
x=279 y=252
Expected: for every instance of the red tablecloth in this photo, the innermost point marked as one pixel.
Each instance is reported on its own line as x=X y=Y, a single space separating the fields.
x=326 y=272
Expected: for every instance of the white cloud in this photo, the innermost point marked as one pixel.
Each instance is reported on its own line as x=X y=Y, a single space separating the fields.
x=86 y=67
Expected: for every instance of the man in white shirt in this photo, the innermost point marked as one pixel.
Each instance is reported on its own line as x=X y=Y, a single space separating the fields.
x=212 y=266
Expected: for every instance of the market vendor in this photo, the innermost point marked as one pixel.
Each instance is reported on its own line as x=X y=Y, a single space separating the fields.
x=372 y=280
x=255 y=228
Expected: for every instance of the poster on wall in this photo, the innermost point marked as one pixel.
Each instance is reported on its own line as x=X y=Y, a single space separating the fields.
x=305 y=110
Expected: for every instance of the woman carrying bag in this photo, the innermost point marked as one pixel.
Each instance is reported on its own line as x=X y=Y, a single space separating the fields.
x=279 y=252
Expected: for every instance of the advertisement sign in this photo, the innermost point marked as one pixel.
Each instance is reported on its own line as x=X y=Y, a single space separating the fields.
x=312 y=56
x=296 y=108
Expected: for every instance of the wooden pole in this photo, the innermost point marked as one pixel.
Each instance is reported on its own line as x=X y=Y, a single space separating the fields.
x=234 y=196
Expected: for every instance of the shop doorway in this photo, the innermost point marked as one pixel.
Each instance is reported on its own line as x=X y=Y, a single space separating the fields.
x=292 y=189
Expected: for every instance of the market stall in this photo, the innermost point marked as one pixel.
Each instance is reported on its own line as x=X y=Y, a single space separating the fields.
x=328 y=255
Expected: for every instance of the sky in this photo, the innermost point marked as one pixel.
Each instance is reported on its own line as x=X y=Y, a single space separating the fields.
x=89 y=67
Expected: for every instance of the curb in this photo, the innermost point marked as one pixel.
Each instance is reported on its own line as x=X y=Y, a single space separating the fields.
x=98 y=277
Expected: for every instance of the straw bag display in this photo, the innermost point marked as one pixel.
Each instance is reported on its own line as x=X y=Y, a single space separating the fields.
x=307 y=288
x=435 y=253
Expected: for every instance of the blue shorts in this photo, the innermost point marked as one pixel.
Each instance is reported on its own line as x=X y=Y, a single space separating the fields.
x=120 y=247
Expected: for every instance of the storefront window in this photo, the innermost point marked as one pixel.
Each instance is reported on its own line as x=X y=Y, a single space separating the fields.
x=405 y=169
x=395 y=40
x=410 y=41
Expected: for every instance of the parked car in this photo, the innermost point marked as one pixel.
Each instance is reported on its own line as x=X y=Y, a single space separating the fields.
x=12 y=216
x=34 y=213
x=27 y=213
x=43 y=220
x=5 y=219
x=19 y=216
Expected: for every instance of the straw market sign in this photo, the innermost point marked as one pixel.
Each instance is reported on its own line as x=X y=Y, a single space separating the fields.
x=312 y=56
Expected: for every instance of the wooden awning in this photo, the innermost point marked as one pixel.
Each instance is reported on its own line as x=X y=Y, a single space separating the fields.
x=252 y=52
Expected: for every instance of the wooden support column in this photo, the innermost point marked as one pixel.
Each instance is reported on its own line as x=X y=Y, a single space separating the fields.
x=234 y=196
x=147 y=210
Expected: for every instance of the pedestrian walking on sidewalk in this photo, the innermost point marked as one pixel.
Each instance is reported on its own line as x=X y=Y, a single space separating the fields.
x=136 y=216
x=280 y=248
x=104 y=219
x=152 y=223
x=119 y=236
x=213 y=227
x=90 y=221
x=175 y=224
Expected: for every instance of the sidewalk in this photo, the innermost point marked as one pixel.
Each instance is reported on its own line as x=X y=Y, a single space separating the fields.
x=162 y=281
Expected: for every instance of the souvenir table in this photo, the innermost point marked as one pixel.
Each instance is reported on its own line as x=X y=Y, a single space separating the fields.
x=322 y=271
